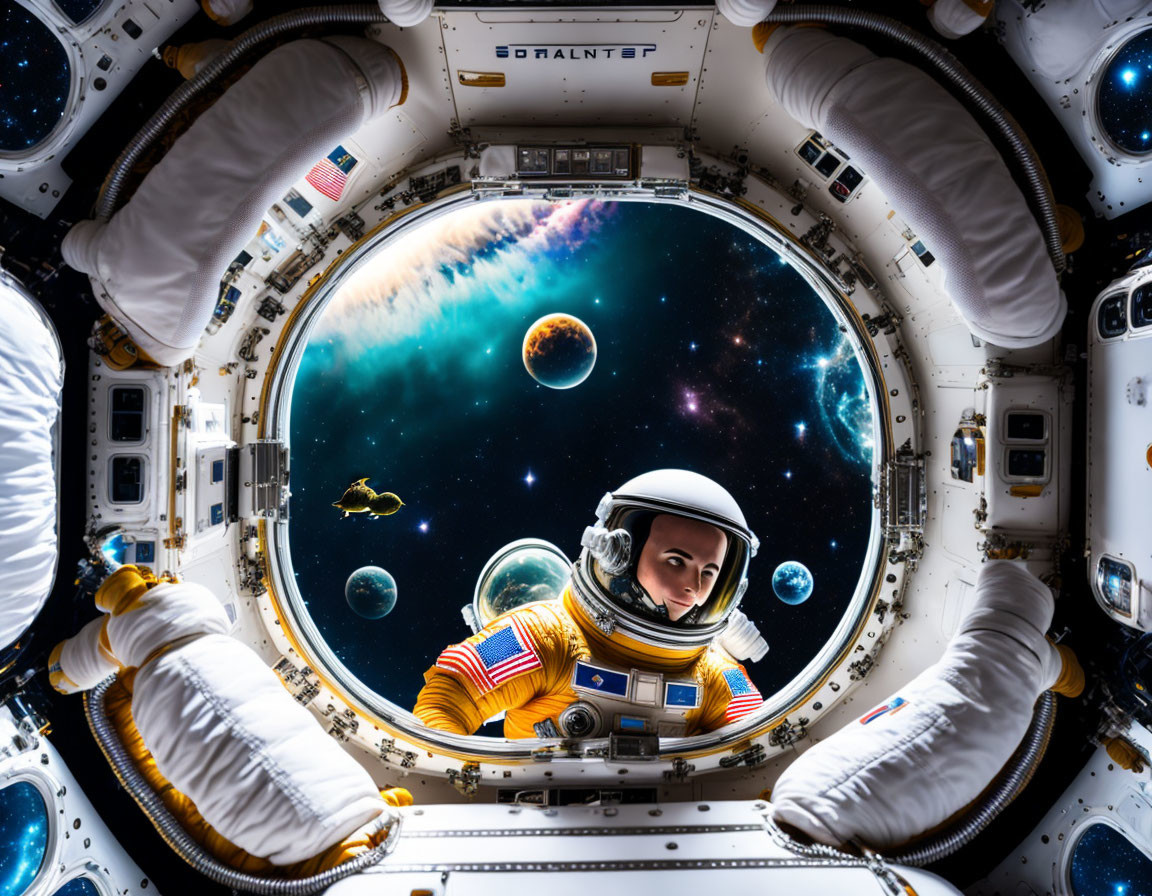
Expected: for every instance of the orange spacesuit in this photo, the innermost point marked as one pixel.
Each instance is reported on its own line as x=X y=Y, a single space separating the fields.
x=629 y=647
x=546 y=683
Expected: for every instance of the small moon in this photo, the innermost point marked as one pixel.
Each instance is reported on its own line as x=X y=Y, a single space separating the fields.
x=559 y=351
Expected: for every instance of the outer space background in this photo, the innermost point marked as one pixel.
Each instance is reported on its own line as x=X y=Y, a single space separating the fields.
x=713 y=355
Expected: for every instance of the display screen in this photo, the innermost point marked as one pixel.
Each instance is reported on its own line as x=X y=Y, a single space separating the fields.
x=1142 y=305
x=1114 y=579
x=1112 y=317
x=127 y=482
x=1025 y=463
x=1026 y=426
x=128 y=414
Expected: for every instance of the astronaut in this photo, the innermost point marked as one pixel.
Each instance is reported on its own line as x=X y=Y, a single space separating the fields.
x=629 y=648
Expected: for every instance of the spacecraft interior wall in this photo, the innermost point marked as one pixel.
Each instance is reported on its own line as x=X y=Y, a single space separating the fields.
x=1120 y=448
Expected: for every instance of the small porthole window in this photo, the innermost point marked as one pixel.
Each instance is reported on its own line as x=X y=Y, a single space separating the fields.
x=1122 y=96
x=23 y=836
x=1106 y=862
x=78 y=886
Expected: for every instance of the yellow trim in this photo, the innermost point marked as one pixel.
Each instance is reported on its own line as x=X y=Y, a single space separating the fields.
x=1026 y=491
x=177 y=416
x=1071 y=228
x=481 y=79
x=981 y=7
x=669 y=79
x=403 y=77
x=206 y=5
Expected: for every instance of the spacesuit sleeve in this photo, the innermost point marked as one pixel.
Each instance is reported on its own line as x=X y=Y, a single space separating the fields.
x=729 y=694
x=503 y=667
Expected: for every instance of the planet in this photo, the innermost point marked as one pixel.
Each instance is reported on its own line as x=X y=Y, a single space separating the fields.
x=371 y=592
x=559 y=351
x=521 y=572
x=845 y=405
x=792 y=582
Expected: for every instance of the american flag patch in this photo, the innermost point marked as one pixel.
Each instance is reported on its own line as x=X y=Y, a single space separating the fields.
x=892 y=706
x=330 y=174
x=745 y=698
x=504 y=654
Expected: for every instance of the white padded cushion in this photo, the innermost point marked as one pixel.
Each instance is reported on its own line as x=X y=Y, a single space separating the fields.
x=156 y=265
x=745 y=13
x=31 y=379
x=258 y=766
x=937 y=168
x=893 y=778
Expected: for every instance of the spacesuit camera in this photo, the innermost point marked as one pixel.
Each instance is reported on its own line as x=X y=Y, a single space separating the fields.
x=630 y=647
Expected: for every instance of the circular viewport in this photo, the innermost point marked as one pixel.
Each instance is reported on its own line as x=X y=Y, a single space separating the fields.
x=488 y=376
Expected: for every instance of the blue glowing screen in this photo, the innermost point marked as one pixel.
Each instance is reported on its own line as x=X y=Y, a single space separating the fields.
x=78 y=886
x=23 y=837
x=34 y=78
x=1124 y=99
x=1106 y=863
x=711 y=354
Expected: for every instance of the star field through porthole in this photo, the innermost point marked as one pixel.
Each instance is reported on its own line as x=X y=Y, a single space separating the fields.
x=1124 y=99
x=34 y=79
x=712 y=355
x=1106 y=863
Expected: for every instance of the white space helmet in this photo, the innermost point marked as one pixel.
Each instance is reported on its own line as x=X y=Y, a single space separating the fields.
x=604 y=576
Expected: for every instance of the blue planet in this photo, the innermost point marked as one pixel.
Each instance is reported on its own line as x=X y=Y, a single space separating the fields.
x=371 y=592
x=792 y=582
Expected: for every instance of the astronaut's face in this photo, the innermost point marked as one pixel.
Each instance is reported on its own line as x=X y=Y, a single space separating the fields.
x=680 y=562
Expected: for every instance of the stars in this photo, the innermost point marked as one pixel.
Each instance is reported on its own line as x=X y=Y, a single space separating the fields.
x=1128 y=76
x=693 y=346
x=691 y=402
x=801 y=428
x=787 y=474
x=423 y=527
x=833 y=544
x=529 y=479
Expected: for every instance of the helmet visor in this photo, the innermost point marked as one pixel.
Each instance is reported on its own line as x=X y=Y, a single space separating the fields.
x=629 y=595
